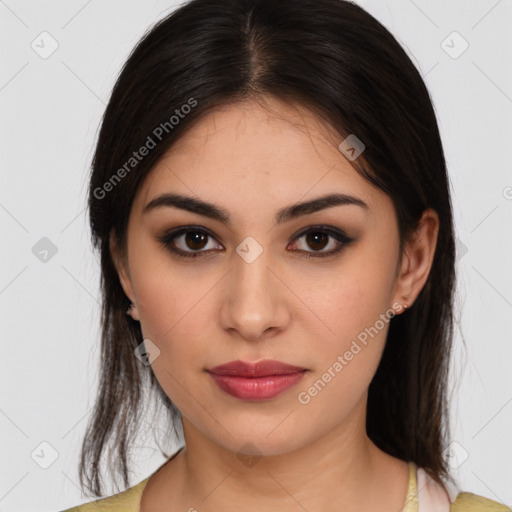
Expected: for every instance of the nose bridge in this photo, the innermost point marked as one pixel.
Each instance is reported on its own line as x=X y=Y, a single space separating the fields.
x=251 y=273
x=252 y=305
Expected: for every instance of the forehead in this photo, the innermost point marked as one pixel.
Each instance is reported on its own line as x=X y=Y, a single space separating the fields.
x=257 y=154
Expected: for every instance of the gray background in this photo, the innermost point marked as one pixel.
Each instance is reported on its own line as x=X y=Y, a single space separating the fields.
x=49 y=302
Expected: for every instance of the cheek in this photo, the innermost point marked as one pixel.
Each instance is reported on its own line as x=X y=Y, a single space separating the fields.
x=354 y=305
x=174 y=317
x=352 y=298
x=164 y=294
x=175 y=313
x=353 y=352
x=345 y=358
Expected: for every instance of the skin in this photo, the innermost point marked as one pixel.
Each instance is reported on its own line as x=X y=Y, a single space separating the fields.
x=252 y=160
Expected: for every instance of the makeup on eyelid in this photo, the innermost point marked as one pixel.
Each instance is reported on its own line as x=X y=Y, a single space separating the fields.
x=327 y=233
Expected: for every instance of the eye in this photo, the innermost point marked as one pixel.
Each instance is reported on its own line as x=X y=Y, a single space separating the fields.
x=192 y=241
x=178 y=241
x=320 y=237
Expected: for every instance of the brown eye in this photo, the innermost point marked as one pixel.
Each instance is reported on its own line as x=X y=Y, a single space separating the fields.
x=195 y=240
x=320 y=238
x=317 y=240
x=187 y=242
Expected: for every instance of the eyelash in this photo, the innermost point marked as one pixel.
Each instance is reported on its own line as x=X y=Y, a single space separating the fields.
x=339 y=236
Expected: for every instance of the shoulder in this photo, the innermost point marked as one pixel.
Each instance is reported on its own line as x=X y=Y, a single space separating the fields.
x=126 y=501
x=433 y=496
x=469 y=502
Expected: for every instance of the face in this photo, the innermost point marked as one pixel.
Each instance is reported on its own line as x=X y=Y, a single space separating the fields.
x=313 y=287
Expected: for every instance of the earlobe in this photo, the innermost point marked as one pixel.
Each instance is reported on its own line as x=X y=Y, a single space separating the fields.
x=417 y=260
x=132 y=311
x=122 y=272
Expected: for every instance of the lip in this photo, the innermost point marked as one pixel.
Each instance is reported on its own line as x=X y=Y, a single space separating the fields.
x=257 y=381
x=262 y=368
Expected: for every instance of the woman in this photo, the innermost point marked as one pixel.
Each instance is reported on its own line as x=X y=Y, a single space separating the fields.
x=270 y=199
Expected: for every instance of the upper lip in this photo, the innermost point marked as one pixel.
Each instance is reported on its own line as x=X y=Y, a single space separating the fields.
x=256 y=369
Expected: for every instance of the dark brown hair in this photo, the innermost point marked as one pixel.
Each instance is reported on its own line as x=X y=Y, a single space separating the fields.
x=337 y=60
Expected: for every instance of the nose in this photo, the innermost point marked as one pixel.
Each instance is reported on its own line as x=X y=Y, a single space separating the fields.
x=254 y=303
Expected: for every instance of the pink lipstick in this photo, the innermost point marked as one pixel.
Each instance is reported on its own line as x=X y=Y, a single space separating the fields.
x=257 y=381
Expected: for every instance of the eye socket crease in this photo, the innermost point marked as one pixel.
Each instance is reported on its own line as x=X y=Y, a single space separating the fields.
x=283 y=215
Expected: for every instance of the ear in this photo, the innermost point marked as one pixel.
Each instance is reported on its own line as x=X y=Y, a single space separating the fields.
x=121 y=265
x=416 y=261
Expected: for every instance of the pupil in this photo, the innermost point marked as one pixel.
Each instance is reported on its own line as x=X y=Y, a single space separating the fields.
x=316 y=238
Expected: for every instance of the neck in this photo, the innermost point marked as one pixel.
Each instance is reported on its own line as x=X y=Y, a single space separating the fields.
x=343 y=467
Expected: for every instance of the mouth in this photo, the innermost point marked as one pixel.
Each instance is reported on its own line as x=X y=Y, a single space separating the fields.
x=262 y=380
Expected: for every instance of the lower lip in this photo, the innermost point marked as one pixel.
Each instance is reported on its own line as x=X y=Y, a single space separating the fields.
x=257 y=388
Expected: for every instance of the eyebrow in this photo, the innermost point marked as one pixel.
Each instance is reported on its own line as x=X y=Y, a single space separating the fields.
x=286 y=214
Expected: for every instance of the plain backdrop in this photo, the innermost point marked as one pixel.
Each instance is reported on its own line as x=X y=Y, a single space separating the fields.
x=51 y=104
